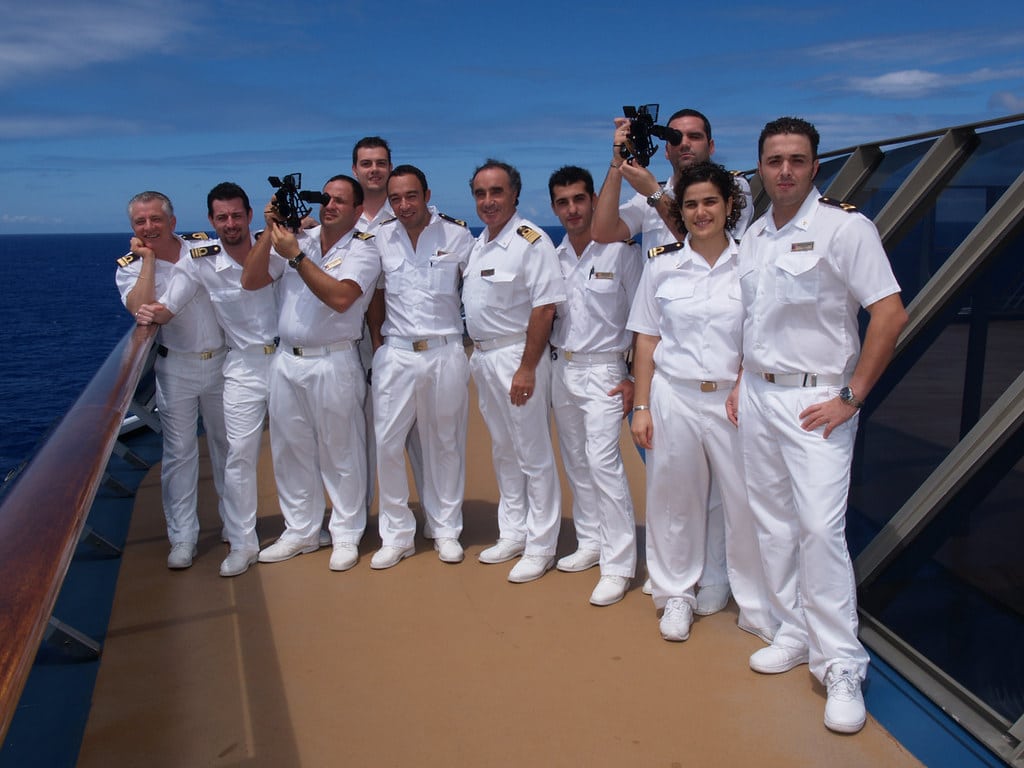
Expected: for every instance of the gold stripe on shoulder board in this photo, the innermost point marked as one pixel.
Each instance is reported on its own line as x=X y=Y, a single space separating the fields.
x=195 y=236
x=127 y=259
x=660 y=249
x=848 y=207
x=205 y=250
x=530 y=234
x=452 y=219
x=362 y=235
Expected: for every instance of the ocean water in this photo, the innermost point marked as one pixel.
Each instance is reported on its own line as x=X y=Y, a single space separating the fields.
x=60 y=317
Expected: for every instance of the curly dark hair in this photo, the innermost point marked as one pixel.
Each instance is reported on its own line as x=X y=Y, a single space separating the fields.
x=723 y=180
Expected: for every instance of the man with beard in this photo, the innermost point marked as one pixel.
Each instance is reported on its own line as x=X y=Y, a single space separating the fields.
x=421 y=374
x=511 y=285
x=645 y=212
x=249 y=320
x=326 y=277
x=590 y=389
x=189 y=381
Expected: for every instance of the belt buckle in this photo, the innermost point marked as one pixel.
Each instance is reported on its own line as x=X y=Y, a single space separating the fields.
x=567 y=355
x=709 y=386
x=297 y=351
x=810 y=379
x=421 y=345
x=206 y=355
x=769 y=377
x=269 y=349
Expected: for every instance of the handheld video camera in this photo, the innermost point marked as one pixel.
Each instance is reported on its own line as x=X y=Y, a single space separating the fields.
x=641 y=128
x=291 y=203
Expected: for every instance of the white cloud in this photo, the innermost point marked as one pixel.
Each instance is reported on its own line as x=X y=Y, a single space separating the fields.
x=46 y=38
x=58 y=126
x=1004 y=101
x=919 y=83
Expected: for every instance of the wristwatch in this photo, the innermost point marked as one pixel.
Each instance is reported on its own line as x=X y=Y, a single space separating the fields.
x=294 y=263
x=652 y=200
x=847 y=396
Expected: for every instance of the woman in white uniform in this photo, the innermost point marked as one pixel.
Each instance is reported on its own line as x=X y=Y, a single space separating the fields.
x=688 y=318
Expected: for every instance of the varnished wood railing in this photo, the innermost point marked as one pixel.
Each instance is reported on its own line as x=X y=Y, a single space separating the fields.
x=43 y=513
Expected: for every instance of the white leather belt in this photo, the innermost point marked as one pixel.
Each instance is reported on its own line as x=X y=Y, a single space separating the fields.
x=424 y=343
x=483 y=345
x=802 y=379
x=319 y=351
x=591 y=358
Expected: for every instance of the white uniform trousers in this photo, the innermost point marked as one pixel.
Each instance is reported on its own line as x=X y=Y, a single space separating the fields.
x=318 y=441
x=693 y=443
x=412 y=445
x=529 y=509
x=246 y=390
x=589 y=426
x=187 y=386
x=797 y=484
x=426 y=392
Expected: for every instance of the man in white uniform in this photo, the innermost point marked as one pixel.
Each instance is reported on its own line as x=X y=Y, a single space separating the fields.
x=190 y=354
x=317 y=425
x=644 y=213
x=421 y=373
x=510 y=289
x=249 y=320
x=805 y=269
x=591 y=390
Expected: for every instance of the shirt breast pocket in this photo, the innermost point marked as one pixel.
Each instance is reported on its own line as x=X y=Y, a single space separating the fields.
x=500 y=289
x=797 y=278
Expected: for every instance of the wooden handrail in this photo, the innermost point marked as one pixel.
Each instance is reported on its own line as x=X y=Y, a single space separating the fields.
x=43 y=513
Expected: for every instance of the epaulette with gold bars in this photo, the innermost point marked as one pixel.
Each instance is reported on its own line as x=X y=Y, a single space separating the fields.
x=204 y=250
x=127 y=259
x=452 y=219
x=529 y=234
x=195 y=236
x=362 y=235
x=660 y=249
x=848 y=207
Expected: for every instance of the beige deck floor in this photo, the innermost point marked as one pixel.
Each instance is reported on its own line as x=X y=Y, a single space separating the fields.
x=428 y=664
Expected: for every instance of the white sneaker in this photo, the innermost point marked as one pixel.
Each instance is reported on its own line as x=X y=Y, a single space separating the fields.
x=609 y=590
x=344 y=557
x=676 y=620
x=530 y=568
x=180 y=556
x=449 y=550
x=237 y=562
x=775 y=659
x=503 y=551
x=388 y=556
x=844 y=710
x=325 y=538
x=282 y=550
x=647 y=589
x=711 y=599
x=580 y=560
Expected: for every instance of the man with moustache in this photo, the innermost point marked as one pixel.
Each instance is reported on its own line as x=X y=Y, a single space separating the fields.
x=805 y=268
x=189 y=381
x=591 y=391
x=249 y=320
x=511 y=285
x=645 y=213
x=325 y=279
x=421 y=373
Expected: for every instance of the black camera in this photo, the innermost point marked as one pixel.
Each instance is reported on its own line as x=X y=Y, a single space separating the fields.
x=291 y=203
x=641 y=128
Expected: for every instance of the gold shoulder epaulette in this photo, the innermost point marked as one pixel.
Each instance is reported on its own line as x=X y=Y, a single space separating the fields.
x=660 y=249
x=736 y=173
x=127 y=259
x=195 y=236
x=362 y=235
x=848 y=207
x=530 y=234
x=630 y=241
x=388 y=221
x=204 y=250
x=452 y=219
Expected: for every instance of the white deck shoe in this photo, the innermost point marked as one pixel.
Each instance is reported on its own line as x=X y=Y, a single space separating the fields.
x=775 y=659
x=580 y=560
x=503 y=551
x=344 y=557
x=282 y=550
x=449 y=550
x=676 y=620
x=647 y=589
x=530 y=568
x=180 y=556
x=609 y=590
x=238 y=561
x=844 y=710
x=388 y=557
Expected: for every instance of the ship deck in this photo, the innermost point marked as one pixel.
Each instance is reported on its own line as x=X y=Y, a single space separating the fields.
x=430 y=664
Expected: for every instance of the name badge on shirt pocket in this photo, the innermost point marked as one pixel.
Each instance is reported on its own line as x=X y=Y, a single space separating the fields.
x=333 y=263
x=604 y=275
x=486 y=273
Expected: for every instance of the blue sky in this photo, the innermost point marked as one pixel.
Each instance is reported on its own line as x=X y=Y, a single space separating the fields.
x=101 y=100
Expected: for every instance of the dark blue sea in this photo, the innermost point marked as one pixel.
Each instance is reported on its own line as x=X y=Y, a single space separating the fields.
x=60 y=316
